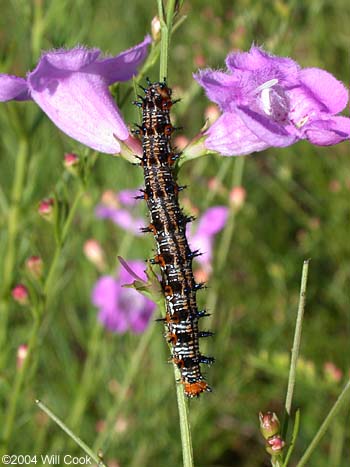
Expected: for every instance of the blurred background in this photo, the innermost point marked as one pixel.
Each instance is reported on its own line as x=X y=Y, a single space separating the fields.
x=116 y=391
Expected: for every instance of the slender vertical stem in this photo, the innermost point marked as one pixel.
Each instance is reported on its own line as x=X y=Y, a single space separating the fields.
x=296 y=347
x=133 y=367
x=185 y=429
x=166 y=28
x=12 y=232
x=38 y=314
x=75 y=438
x=227 y=235
x=12 y=404
x=340 y=402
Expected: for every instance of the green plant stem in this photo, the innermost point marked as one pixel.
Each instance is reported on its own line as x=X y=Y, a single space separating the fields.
x=59 y=245
x=230 y=225
x=75 y=438
x=339 y=404
x=38 y=314
x=133 y=368
x=166 y=28
x=185 y=429
x=37 y=29
x=227 y=235
x=12 y=233
x=294 y=438
x=86 y=381
x=296 y=348
x=12 y=404
x=276 y=461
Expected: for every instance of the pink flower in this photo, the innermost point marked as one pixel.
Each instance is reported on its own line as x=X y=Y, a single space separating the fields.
x=210 y=223
x=118 y=208
x=122 y=308
x=268 y=100
x=71 y=87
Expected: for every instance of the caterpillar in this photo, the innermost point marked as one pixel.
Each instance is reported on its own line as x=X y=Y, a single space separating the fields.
x=168 y=225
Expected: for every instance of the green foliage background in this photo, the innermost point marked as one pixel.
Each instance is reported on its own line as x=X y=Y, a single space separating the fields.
x=297 y=207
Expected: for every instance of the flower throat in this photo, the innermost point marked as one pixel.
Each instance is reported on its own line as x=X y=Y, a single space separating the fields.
x=168 y=225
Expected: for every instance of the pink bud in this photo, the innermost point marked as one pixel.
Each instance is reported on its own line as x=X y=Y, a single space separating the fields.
x=34 y=266
x=274 y=445
x=155 y=28
x=332 y=373
x=109 y=198
x=22 y=353
x=214 y=184
x=237 y=196
x=334 y=186
x=100 y=426
x=199 y=60
x=20 y=294
x=45 y=208
x=201 y=275
x=70 y=159
x=94 y=253
x=181 y=142
x=212 y=113
x=269 y=424
x=121 y=425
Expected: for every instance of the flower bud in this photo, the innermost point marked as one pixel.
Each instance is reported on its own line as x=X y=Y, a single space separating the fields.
x=181 y=142
x=70 y=160
x=269 y=424
x=71 y=163
x=45 y=208
x=155 y=28
x=34 y=265
x=94 y=253
x=332 y=373
x=212 y=113
x=237 y=197
x=275 y=445
x=22 y=352
x=20 y=294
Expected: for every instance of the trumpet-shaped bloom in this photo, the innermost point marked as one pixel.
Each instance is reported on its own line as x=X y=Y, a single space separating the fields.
x=209 y=224
x=119 y=208
x=71 y=87
x=271 y=101
x=122 y=308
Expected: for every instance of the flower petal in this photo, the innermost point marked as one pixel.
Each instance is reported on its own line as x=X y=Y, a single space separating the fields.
x=212 y=221
x=104 y=293
x=123 y=66
x=71 y=60
x=139 y=269
x=121 y=217
x=219 y=87
x=129 y=197
x=78 y=103
x=325 y=88
x=327 y=132
x=231 y=137
x=257 y=59
x=13 y=88
x=270 y=132
x=113 y=320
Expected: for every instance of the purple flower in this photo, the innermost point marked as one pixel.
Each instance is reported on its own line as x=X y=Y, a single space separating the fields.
x=270 y=101
x=117 y=207
x=71 y=87
x=210 y=223
x=122 y=308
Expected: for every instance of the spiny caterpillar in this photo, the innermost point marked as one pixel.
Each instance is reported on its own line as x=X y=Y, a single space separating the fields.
x=168 y=225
